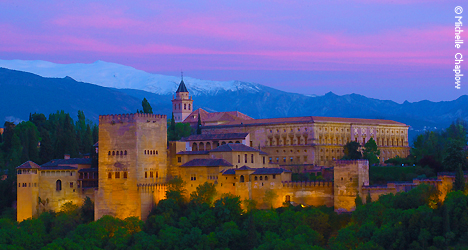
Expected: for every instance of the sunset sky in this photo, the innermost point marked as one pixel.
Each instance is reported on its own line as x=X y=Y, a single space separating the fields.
x=397 y=50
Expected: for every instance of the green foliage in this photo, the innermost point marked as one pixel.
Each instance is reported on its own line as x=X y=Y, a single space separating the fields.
x=199 y=125
x=371 y=152
x=381 y=175
x=204 y=193
x=459 y=184
x=175 y=131
x=146 y=107
x=351 y=151
x=456 y=156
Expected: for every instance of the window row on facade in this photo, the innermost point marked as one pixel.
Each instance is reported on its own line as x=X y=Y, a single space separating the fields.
x=287 y=130
x=117 y=175
x=57 y=173
x=121 y=152
x=296 y=140
x=27 y=171
x=185 y=106
x=289 y=159
x=28 y=184
x=151 y=152
x=201 y=146
x=152 y=174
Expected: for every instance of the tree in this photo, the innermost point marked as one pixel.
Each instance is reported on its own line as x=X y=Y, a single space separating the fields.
x=459 y=184
x=371 y=152
x=146 y=107
x=368 y=197
x=199 y=125
x=358 y=201
x=269 y=197
x=205 y=193
x=455 y=156
x=351 y=150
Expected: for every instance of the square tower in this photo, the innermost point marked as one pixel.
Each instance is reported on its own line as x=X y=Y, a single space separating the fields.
x=349 y=177
x=182 y=104
x=132 y=155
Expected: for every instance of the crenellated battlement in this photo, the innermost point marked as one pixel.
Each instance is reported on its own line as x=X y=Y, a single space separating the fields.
x=345 y=162
x=129 y=117
x=307 y=183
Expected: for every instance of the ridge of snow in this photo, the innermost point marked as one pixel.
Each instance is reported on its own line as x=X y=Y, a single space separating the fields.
x=119 y=76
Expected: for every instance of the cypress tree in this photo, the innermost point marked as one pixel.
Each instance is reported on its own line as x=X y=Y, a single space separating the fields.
x=146 y=107
x=199 y=125
x=459 y=184
x=368 y=197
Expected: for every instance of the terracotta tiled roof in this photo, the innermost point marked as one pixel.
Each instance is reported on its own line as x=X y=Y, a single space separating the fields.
x=71 y=161
x=310 y=119
x=205 y=137
x=58 y=168
x=270 y=171
x=193 y=152
x=216 y=117
x=207 y=163
x=29 y=164
x=234 y=147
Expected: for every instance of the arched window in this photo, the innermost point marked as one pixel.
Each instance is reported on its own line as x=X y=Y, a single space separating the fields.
x=223 y=143
x=113 y=152
x=288 y=198
x=125 y=153
x=255 y=178
x=109 y=175
x=156 y=151
x=241 y=178
x=194 y=147
x=109 y=153
x=208 y=146
x=201 y=146
x=261 y=177
x=189 y=107
x=117 y=153
x=121 y=152
x=58 y=185
x=266 y=178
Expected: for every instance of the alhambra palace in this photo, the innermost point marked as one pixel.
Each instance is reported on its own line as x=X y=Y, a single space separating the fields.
x=243 y=156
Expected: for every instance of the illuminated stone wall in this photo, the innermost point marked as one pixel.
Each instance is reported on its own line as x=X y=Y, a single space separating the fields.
x=27 y=193
x=132 y=155
x=349 y=177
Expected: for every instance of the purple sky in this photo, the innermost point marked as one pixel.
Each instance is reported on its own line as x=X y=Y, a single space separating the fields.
x=387 y=49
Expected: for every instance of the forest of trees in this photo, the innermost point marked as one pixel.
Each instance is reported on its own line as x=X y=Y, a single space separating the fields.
x=41 y=139
x=412 y=220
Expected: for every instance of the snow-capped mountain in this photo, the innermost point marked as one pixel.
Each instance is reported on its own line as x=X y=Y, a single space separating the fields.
x=124 y=77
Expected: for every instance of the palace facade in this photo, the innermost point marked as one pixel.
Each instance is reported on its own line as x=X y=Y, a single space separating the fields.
x=240 y=155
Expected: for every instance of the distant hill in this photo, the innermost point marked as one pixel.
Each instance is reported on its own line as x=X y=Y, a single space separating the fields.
x=23 y=93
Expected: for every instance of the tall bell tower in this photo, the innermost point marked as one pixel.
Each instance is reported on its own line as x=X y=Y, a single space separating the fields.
x=182 y=104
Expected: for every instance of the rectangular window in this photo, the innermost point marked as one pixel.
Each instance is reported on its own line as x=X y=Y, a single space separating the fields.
x=284 y=159
x=245 y=158
x=274 y=176
x=291 y=159
x=193 y=177
x=157 y=174
x=251 y=158
x=251 y=144
x=125 y=175
x=151 y=174
x=270 y=159
x=117 y=175
x=71 y=184
x=146 y=174
x=263 y=159
x=277 y=159
x=238 y=158
x=179 y=159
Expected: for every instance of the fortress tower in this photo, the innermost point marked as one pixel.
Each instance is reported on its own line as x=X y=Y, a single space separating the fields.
x=28 y=191
x=182 y=104
x=350 y=176
x=132 y=164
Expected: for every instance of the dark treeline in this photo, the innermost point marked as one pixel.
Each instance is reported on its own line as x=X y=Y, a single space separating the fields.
x=413 y=220
x=40 y=140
